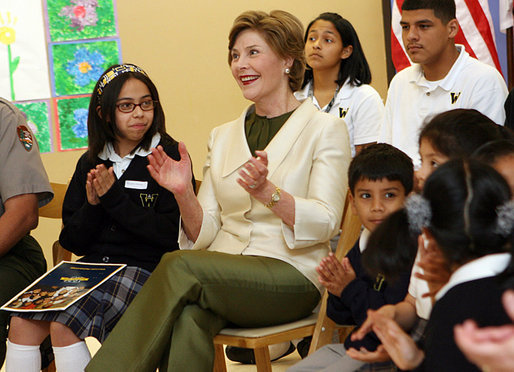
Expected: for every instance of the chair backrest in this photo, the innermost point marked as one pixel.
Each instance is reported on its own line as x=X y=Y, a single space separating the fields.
x=350 y=230
x=54 y=210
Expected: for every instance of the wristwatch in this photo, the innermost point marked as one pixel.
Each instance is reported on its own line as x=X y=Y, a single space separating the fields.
x=275 y=197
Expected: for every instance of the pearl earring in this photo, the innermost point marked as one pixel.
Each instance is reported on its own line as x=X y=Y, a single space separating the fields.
x=287 y=70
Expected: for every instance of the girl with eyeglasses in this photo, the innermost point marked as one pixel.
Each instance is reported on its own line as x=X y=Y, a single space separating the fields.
x=113 y=212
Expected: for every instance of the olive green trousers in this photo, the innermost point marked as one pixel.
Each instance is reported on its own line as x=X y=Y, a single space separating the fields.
x=189 y=298
x=19 y=267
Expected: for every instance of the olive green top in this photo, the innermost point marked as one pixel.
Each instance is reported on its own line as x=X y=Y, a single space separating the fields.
x=260 y=130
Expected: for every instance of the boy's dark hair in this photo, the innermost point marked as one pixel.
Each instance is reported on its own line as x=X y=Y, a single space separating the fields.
x=391 y=247
x=443 y=9
x=355 y=67
x=459 y=132
x=490 y=152
x=380 y=161
x=101 y=125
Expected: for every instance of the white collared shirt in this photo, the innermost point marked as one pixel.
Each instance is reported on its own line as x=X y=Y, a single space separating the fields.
x=483 y=267
x=119 y=164
x=360 y=107
x=363 y=239
x=412 y=100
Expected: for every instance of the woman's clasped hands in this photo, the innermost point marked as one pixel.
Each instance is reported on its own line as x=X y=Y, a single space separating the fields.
x=253 y=177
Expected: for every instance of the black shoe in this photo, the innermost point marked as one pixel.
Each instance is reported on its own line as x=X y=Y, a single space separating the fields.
x=246 y=356
x=304 y=346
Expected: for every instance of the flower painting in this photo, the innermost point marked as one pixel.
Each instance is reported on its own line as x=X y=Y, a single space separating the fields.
x=7 y=37
x=72 y=122
x=77 y=66
x=81 y=13
x=86 y=66
x=23 y=52
x=80 y=19
x=52 y=52
x=37 y=114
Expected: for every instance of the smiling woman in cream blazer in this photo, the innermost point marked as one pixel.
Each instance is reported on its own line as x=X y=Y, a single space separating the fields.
x=272 y=197
x=306 y=158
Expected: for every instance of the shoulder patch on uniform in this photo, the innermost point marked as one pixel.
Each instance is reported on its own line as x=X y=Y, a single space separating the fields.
x=25 y=137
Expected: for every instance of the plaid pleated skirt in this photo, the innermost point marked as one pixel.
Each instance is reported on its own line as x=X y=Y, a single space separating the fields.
x=97 y=313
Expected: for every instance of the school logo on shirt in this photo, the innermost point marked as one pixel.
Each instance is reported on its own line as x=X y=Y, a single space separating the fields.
x=343 y=112
x=379 y=281
x=25 y=137
x=455 y=97
x=148 y=200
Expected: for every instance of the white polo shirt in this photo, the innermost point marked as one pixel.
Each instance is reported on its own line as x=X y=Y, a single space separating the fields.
x=361 y=108
x=417 y=288
x=412 y=100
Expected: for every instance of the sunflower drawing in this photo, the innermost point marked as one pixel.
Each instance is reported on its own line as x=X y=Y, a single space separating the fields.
x=8 y=37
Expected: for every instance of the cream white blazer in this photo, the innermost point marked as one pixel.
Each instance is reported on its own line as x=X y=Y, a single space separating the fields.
x=308 y=158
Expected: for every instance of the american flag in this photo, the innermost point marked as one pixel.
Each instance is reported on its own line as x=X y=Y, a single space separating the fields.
x=476 y=32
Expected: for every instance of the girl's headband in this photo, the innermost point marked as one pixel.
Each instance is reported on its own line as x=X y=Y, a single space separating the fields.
x=114 y=72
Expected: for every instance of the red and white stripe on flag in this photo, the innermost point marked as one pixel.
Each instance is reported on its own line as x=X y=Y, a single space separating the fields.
x=475 y=33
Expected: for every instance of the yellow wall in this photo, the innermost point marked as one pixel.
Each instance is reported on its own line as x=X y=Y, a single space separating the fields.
x=183 y=47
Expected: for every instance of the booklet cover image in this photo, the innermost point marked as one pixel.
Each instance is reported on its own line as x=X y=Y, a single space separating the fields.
x=62 y=286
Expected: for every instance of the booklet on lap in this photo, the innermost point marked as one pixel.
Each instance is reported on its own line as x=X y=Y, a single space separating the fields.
x=62 y=286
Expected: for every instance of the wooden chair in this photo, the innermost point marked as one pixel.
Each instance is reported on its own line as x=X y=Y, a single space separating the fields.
x=317 y=325
x=54 y=210
x=325 y=327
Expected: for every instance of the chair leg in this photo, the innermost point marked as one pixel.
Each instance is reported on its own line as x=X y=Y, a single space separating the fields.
x=262 y=359
x=219 y=359
x=50 y=368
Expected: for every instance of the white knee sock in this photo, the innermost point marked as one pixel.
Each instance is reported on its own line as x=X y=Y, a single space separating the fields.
x=22 y=358
x=72 y=358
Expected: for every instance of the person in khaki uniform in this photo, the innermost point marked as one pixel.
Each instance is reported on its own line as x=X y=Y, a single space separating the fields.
x=24 y=187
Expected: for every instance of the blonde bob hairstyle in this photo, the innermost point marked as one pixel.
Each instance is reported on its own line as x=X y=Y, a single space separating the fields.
x=282 y=31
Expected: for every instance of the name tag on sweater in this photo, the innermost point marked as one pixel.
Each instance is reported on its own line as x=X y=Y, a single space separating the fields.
x=138 y=185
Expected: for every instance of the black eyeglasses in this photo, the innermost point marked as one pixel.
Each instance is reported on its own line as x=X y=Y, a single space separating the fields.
x=127 y=107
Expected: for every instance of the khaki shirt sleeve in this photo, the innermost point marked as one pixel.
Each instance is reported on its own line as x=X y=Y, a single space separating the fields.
x=21 y=168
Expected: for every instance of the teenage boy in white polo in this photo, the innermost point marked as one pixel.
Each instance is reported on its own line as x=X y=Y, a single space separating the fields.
x=444 y=76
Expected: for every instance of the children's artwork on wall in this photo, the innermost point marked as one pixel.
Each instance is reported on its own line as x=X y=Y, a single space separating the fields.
x=23 y=58
x=53 y=76
x=80 y=19
x=77 y=66
x=38 y=120
x=72 y=122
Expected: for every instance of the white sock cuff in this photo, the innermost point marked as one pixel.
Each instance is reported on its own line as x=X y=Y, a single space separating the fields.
x=77 y=345
x=26 y=358
x=72 y=358
x=19 y=347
